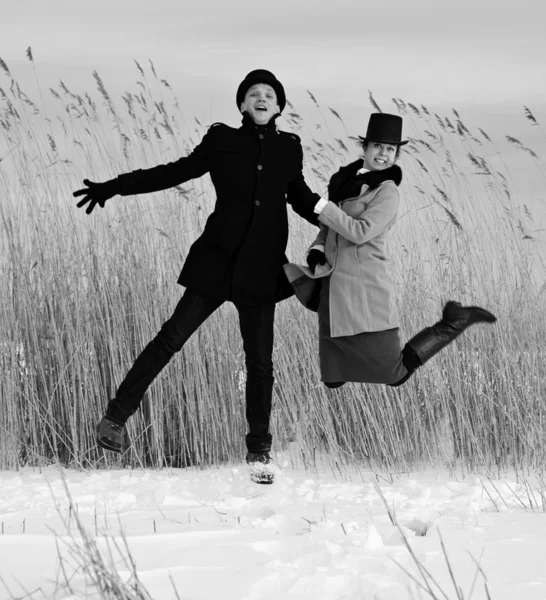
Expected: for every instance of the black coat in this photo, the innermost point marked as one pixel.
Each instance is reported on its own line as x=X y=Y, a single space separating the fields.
x=255 y=170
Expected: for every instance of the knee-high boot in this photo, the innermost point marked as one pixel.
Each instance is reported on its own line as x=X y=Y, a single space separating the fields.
x=429 y=341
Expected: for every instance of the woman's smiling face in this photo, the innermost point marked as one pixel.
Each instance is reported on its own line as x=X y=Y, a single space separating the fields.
x=261 y=103
x=379 y=156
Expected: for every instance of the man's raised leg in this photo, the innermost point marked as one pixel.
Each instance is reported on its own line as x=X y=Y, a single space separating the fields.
x=191 y=311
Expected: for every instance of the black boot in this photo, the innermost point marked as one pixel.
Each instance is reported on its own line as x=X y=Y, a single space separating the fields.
x=260 y=467
x=429 y=341
x=110 y=435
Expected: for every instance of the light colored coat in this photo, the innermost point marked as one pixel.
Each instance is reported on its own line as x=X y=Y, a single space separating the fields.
x=354 y=238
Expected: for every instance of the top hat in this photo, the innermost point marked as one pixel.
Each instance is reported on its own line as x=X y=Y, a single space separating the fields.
x=261 y=76
x=384 y=128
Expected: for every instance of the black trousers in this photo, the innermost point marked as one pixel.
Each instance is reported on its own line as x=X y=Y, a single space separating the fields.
x=256 y=326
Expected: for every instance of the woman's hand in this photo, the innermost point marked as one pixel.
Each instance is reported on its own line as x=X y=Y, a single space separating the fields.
x=315 y=257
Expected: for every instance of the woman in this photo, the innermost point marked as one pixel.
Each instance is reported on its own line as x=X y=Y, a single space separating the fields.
x=358 y=319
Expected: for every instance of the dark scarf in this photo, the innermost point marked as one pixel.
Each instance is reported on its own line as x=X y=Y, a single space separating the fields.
x=346 y=183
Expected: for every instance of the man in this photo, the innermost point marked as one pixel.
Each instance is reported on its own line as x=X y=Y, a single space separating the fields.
x=256 y=170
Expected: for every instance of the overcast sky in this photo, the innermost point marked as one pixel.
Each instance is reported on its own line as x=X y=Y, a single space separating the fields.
x=481 y=55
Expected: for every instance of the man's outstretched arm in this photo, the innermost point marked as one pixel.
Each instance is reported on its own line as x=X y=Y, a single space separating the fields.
x=303 y=200
x=144 y=181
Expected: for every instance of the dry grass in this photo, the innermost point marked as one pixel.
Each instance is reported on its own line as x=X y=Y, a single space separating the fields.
x=82 y=295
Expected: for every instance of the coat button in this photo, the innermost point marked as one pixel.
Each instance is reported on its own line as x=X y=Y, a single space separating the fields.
x=260 y=167
x=257 y=203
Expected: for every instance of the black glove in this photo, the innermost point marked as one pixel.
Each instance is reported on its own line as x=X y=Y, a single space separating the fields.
x=315 y=257
x=96 y=193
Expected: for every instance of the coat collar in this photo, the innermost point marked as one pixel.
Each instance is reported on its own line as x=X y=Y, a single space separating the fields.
x=249 y=125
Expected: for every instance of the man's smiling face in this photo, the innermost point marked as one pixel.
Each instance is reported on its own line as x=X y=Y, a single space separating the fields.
x=261 y=103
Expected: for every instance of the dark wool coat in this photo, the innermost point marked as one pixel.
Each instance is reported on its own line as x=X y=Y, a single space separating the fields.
x=256 y=171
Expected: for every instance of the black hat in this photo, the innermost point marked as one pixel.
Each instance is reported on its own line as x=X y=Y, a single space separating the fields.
x=384 y=128
x=261 y=76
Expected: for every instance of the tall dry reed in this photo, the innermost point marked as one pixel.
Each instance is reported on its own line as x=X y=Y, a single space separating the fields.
x=81 y=296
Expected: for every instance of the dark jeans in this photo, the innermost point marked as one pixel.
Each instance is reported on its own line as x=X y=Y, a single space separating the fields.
x=256 y=326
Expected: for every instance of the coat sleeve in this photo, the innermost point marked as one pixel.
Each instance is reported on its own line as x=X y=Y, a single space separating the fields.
x=378 y=216
x=162 y=177
x=299 y=195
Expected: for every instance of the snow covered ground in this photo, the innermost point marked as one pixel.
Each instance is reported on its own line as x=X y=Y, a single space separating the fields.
x=213 y=534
